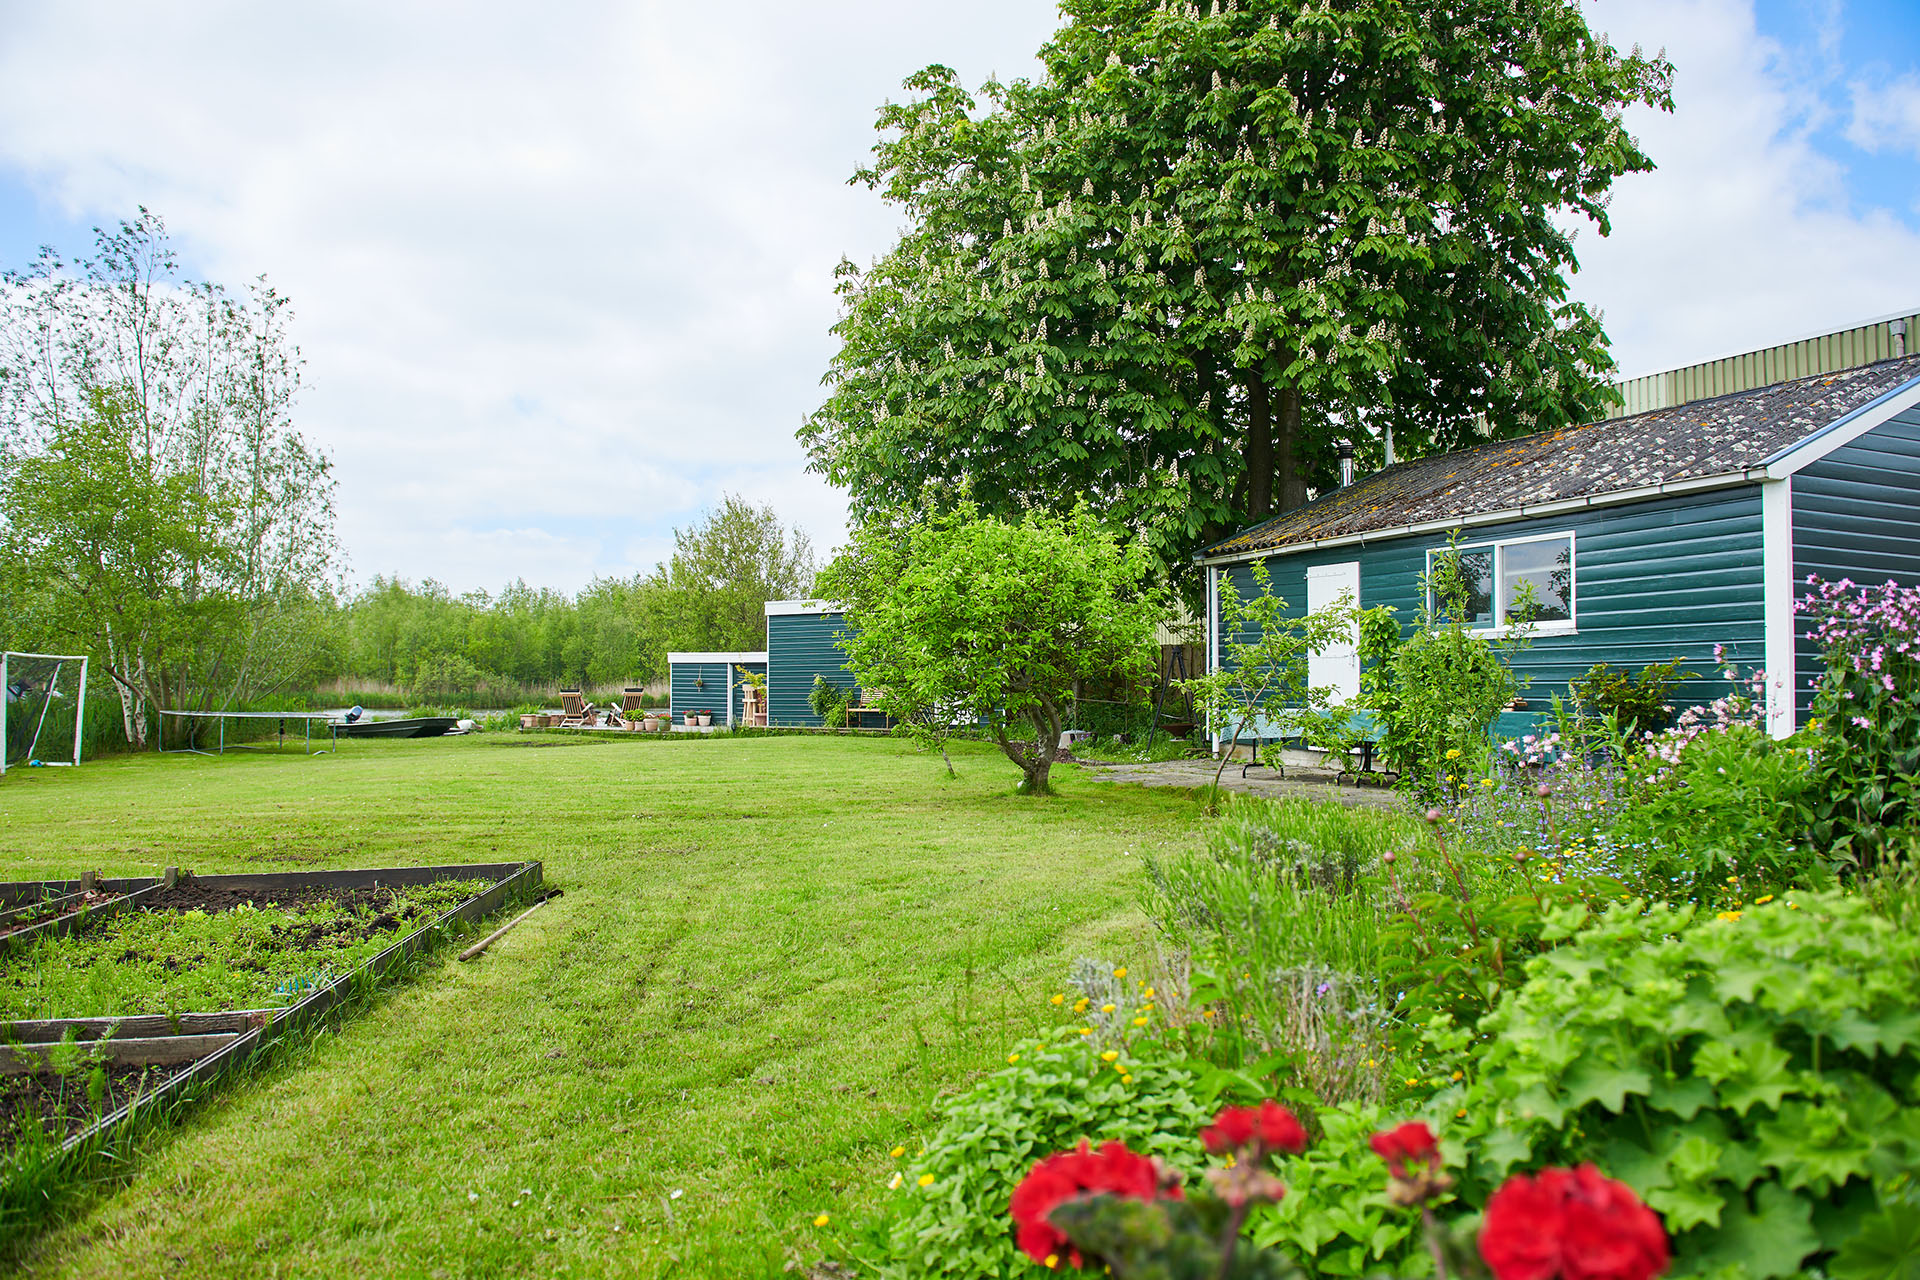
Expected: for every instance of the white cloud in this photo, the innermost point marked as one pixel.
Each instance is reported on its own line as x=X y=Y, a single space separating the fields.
x=1886 y=116
x=563 y=275
x=1745 y=236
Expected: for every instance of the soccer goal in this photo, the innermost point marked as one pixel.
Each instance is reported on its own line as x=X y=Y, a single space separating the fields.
x=43 y=713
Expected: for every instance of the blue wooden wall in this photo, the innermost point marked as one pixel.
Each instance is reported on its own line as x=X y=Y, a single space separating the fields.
x=1667 y=578
x=1856 y=514
x=799 y=647
x=713 y=696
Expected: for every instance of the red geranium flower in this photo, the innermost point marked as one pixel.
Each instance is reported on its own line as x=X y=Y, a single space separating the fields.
x=1113 y=1170
x=1232 y=1129
x=1410 y=1143
x=1571 y=1224
x=1272 y=1125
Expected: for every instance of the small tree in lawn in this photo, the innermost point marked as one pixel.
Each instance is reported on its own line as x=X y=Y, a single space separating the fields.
x=1262 y=674
x=956 y=619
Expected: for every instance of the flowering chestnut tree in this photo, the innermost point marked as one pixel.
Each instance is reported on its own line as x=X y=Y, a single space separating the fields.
x=1172 y=270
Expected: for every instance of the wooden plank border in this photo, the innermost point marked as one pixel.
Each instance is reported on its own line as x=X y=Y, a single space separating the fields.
x=73 y=921
x=509 y=880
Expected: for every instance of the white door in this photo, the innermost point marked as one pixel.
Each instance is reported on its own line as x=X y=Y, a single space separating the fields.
x=1339 y=664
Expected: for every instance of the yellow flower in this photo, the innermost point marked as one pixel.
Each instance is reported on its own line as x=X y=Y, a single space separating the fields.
x=1728 y=915
x=820 y=1221
x=926 y=1179
x=1453 y=753
x=1793 y=906
x=1109 y=1055
x=1208 y=1013
x=1053 y=1260
x=1106 y=1008
x=1372 y=1063
x=1080 y=1005
x=1762 y=899
x=1413 y=1079
x=1121 y=972
x=1086 y=1031
x=1460 y=1114
x=897 y=1152
x=1140 y=1022
x=893 y=1183
x=1059 y=999
x=1733 y=879
x=1126 y=1079
x=1148 y=993
x=1013 y=1057
x=1459 y=1075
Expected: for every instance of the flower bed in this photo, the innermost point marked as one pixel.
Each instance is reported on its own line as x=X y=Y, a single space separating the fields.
x=1621 y=1003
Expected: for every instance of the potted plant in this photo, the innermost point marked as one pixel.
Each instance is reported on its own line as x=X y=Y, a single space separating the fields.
x=706 y=718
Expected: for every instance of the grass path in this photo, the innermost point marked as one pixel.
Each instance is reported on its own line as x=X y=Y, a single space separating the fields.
x=772 y=956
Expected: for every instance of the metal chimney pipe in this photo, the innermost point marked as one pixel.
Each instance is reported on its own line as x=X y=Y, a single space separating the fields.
x=1346 y=463
x=1389 y=460
x=1899 y=331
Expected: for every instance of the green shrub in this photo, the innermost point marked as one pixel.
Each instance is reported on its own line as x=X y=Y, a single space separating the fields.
x=1105 y=719
x=1723 y=818
x=1335 y=1219
x=1864 y=792
x=829 y=702
x=1637 y=704
x=1751 y=1074
x=1436 y=691
x=1051 y=1095
x=443 y=678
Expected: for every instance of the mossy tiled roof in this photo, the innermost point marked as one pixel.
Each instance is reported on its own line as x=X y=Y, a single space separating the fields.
x=1723 y=436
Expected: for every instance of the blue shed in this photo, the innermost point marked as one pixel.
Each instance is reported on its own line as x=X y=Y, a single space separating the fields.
x=711 y=682
x=1647 y=537
x=801 y=644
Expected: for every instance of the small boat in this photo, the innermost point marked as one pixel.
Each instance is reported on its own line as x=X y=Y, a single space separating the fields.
x=424 y=727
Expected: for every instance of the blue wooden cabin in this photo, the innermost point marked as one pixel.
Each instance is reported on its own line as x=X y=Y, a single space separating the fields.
x=1647 y=537
x=800 y=646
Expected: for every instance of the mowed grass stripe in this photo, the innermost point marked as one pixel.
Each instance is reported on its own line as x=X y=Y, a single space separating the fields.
x=772 y=956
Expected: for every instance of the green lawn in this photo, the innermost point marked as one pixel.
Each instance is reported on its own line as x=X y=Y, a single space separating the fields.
x=772 y=957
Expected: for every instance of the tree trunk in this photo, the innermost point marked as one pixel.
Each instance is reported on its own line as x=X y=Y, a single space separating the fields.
x=1293 y=485
x=1259 y=452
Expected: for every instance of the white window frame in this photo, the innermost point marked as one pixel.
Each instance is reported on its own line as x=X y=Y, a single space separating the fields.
x=1499 y=626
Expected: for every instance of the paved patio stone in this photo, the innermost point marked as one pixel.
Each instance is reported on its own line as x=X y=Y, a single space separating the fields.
x=1301 y=782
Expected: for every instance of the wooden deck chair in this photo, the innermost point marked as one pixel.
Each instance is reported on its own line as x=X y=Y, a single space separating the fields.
x=630 y=700
x=575 y=713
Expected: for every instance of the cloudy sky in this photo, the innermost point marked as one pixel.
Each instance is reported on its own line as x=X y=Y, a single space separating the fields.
x=563 y=272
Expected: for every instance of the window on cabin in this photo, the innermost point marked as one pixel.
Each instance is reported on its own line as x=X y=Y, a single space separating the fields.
x=1543 y=568
x=1463 y=583
x=1536 y=572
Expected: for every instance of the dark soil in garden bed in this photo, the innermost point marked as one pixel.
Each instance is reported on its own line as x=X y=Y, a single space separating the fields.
x=92 y=899
x=62 y=1105
x=191 y=895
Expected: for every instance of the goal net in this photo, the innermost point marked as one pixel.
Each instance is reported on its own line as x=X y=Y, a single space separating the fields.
x=43 y=712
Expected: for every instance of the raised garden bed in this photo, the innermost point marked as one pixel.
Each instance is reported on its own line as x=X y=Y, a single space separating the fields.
x=161 y=984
